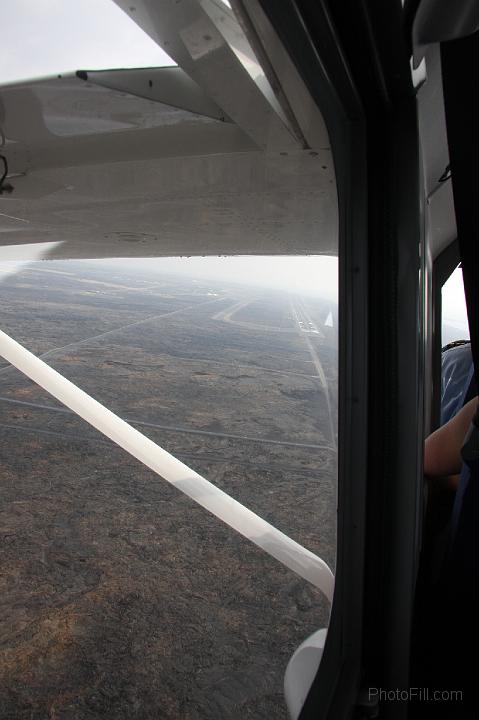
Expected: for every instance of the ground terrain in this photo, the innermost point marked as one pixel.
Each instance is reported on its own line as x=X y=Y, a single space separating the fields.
x=121 y=598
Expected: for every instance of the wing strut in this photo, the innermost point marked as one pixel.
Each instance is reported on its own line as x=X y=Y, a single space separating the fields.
x=251 y=526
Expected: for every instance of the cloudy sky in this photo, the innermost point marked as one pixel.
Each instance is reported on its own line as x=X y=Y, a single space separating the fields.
x=48 y=37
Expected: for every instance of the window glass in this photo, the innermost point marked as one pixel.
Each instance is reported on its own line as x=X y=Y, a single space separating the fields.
x=129 y=591
x=122 y=597
x=454 y=312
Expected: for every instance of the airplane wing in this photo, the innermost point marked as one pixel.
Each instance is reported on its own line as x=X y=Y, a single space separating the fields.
x=203 y=158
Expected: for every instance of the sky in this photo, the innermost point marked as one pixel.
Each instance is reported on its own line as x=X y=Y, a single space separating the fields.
x=51 y=37
x=313 y=275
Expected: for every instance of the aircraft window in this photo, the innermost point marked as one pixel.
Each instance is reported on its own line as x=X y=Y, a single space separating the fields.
x=122 y=597
x=41 y=38
x=454 y=312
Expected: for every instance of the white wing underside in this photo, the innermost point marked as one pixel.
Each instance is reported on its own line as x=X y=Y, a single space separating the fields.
x=200 y=159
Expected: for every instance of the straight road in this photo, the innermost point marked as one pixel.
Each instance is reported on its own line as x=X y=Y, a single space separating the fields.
x=305 y=335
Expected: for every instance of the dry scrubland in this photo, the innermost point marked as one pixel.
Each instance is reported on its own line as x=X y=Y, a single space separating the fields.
x=119 y=597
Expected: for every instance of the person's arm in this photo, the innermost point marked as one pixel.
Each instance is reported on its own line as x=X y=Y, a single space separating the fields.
x=442 y=449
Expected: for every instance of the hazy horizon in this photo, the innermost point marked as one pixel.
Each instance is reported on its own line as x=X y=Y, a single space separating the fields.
x=314 y=275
